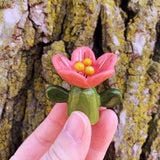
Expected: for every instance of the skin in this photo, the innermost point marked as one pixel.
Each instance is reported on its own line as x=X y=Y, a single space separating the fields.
x=60 y=137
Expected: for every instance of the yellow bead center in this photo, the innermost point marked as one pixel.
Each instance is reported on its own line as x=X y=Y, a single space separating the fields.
x=89 y=70
x=85 y=66
x=87 y=61
x=79 y=66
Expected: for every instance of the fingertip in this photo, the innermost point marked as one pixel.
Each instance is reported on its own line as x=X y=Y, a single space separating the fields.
x=109 y=116
x=59 y=107
x=83 y=116
x=78 y=125
x=59 y=113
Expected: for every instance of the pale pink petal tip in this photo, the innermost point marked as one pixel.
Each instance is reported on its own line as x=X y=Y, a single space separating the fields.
x=81 y=53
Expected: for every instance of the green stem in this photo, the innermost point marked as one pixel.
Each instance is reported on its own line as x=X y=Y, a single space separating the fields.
x=86 y=101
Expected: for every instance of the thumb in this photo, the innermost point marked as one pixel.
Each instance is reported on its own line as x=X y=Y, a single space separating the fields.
x=74 y=140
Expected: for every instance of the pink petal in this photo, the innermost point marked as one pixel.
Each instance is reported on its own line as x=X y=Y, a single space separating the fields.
x=81 y=53
x=73 y=78
x=105 y=62
x=64 y=69
x=98 y=78
x=103 y=67
x=60 y=62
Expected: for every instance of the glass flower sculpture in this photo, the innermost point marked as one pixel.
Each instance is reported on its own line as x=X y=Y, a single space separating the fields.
x=84 y=72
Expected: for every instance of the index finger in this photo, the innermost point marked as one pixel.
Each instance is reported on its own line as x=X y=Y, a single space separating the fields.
x=44 y=135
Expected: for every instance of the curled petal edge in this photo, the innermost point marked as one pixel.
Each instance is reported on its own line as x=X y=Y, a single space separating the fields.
x=73 y=78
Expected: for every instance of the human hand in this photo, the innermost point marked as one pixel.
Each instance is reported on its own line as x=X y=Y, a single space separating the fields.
x=60 y=137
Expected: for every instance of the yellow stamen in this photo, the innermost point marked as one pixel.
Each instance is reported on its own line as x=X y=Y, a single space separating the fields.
x=89 y=70
x=87 y=61
x=79 y=66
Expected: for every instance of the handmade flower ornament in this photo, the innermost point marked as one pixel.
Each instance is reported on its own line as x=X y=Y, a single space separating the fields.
x=84 y=72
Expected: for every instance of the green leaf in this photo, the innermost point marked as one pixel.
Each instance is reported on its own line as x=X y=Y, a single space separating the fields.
x=111 y=97
x=57 y=94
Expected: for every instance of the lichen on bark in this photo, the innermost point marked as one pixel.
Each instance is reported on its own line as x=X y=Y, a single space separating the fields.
x=32 y=31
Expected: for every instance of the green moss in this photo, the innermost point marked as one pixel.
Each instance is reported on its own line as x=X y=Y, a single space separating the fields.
x=6 y=3
x=112 y=28
x=21 y=70
x=33 y=2
x=139 y=98
x=121 y=70
x=151 y=140
x=1 y=16
x=137 y=5
x=155 y=147
x=5 y=130
x=28 y=35
x=154 y=72
x=49 y=73
x=16 y=77
x=30 y=118
x=80 y=23
x=3 y=81
x=56 y=11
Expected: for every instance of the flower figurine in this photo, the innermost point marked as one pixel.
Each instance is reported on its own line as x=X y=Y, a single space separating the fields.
x=84 y=72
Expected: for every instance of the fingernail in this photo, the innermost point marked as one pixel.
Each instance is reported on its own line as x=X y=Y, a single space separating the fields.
x=76 y=126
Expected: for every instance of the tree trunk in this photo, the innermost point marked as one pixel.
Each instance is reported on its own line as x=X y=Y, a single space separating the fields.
x=32 y=31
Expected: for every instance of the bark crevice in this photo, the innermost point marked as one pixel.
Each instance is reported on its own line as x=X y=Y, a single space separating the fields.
x=152 y=134
x=16 y=137
x=129 y=17
x=20 y=105
x=110 y=154
x=97 y=44
x=156 y=56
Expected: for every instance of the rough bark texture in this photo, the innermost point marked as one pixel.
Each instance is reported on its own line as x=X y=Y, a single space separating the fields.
x=32 y=31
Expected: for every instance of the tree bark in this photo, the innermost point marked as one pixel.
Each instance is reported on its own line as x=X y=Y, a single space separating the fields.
x=32 y=31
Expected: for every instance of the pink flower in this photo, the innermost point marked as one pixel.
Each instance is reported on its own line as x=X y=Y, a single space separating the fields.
x=103 y=67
